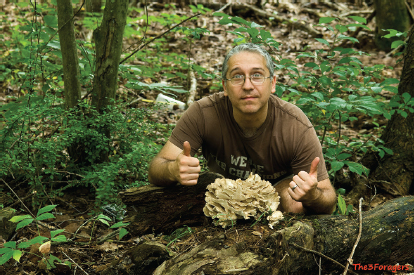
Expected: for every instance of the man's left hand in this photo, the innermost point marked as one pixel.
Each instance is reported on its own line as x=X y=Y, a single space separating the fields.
x=304 y=185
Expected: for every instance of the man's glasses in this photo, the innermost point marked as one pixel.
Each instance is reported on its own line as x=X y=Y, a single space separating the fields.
x=239 y=79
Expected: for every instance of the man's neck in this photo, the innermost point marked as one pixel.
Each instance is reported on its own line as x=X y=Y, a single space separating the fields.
x=250 y=123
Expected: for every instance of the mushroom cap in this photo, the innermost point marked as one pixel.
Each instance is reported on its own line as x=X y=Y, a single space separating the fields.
x=228 y=200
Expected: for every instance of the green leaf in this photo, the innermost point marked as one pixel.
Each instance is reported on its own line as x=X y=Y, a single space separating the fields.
x=6 y=256
x=321 y=40
x=341 y=191
x=56 y=232
x=390 y=81
x=11 y=244
x=17 y=254
x=359 y=25
x=376 y=89
x=23 y=223
x=60 y=238
x=104 y=221
x=255 y=25
x=343 y=156
x=46 y=209
x=219 y=14
x=336 y=165
x=344 y=37
x=19 y=218
x=396 y=43
x=51 y=21
x=45 y=216
x=341 y=28
x=357 y=168
x=119 y=224
x=359 y=19
x=122 y=233
x=349 y=209
x=341 y=205
x=324 y=20
x=318 y=95
x=311 y=65
x=105 y=217
x=406 y=97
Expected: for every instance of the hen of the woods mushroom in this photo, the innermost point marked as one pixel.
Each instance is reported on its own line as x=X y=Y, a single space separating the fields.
x=228 y=200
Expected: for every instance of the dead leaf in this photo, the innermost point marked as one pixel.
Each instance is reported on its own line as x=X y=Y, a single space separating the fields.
x=45 y=248
x=107 y=246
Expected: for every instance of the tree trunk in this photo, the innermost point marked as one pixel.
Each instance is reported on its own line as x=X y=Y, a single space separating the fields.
x=108 y=42
x=390 y=14
x=93 y=5
x=70 y=61
x=395 y=173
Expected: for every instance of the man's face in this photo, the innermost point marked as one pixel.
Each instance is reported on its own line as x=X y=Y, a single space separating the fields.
x=248 y=98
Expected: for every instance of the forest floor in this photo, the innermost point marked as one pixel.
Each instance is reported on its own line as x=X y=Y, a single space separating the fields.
x=86 y=251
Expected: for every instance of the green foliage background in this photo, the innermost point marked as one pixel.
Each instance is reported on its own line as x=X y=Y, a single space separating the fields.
x=35 y=130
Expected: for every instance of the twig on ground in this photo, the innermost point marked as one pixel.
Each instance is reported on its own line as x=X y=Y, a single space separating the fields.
x=75 y=263
x=409 y=10
x=298 y=25
x=108 y=236
x=224 y=7
x=158 y=36
x=23 y=199
x=19 y=198
x=350 y=261
x=322 y=255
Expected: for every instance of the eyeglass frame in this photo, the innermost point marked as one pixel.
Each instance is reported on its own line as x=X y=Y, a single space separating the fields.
x=244 y=80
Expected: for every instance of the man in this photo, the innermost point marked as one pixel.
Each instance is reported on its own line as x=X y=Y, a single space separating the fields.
x=248 y=129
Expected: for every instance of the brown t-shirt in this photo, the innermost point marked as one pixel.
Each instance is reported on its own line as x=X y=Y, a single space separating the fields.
x=285 y=144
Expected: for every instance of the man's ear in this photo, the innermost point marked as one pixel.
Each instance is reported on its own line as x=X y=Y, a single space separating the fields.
x=274 y=84
x=223 y=83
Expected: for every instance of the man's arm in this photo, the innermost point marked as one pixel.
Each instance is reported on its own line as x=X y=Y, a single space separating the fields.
x=304 y=194
x=172 y=165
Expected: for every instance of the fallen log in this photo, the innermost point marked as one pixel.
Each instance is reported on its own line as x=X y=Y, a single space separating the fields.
x=152 y=209
x=387 y=240
x=299 y=245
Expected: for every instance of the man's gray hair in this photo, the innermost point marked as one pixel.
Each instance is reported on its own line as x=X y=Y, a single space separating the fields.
x=247 y=47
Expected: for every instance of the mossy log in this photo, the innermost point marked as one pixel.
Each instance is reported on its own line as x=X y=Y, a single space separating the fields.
x=296 y=248
x=387 y=239
x=152 y=209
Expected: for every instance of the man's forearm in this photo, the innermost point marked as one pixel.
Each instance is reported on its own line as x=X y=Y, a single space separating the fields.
x=160 y=172
x=324 y=204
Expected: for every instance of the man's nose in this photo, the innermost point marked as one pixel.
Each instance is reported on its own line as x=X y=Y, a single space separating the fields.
x=247 y=83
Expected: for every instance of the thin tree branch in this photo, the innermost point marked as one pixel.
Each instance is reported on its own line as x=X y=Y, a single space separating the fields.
x=158 y=36
x=350 y=261
x=75 y=263
x=19 y=198
x=322 y=255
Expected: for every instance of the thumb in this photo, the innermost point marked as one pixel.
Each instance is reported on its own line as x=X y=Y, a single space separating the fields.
x=314 y=168
x=186 y=149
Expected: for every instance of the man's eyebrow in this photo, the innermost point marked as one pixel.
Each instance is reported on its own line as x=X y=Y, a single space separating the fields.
x=253 y=69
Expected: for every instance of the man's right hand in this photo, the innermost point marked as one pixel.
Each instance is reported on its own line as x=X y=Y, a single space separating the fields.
x=186 y=168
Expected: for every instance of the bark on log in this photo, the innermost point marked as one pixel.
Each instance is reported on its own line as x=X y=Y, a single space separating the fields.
x=152 y=209
x=386 y=240
x=295 y=249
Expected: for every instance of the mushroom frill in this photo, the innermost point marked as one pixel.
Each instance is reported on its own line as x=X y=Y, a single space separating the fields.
x=228 y=200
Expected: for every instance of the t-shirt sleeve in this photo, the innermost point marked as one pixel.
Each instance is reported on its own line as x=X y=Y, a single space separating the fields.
x=190 y=127
x=307 y=149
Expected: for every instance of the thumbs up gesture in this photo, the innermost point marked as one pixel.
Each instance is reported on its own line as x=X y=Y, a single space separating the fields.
x=187 y=168
x=303 y=186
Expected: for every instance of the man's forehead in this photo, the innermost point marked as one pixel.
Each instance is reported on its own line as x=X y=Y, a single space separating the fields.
x=249 y=60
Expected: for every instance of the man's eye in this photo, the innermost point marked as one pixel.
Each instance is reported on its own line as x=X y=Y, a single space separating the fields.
x=257 y=75
x=238 y=76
